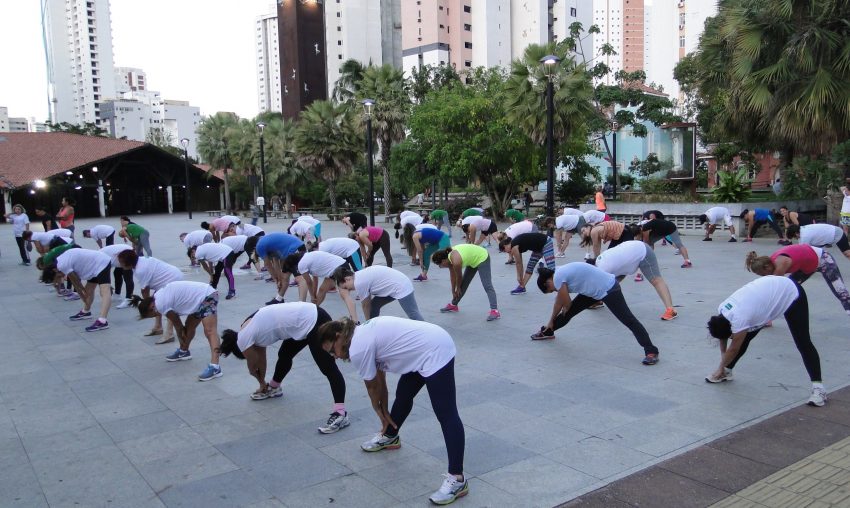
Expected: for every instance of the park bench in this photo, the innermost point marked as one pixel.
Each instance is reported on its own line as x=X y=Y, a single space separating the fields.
x=215 y=213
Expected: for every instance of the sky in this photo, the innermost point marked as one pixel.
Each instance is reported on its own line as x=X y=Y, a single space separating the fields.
x=202 y=51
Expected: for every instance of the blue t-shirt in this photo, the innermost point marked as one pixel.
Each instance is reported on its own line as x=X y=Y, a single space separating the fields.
x=762 y=214
x=584 y=279
x=431 y=235
x=278 y=244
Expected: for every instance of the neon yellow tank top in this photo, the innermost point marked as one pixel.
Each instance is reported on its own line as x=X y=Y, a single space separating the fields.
x=471 y=255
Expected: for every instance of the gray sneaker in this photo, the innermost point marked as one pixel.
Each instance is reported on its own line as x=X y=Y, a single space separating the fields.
x=450 y=490
x=335 y=423
x=818 y=398
x=381 y=442
x=727 y=376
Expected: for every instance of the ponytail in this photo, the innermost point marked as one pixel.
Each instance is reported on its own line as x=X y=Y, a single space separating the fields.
x=228 y=344
x=145 y=306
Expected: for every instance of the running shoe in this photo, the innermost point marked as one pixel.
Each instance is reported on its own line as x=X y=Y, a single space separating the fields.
x=179 y=355
x=293 y=283
x=270 y=279
x=260 y=395
x=561 y=255
x=335 y=423
x=727 y=376
x=414 y=263
x=493 y=315
x=123 y=304
x=745 y=240
x=63 y=292
x=259 y=276
x=733 y=239
x=274 y=392
x=650 y=359
x=519 y=290
x=818 y=398
x=230 y=295
x=543 y=334
x=381 y=442
x=450 y=307
x=450 y=490
x=707 y=239
x=510 y=262
x=421 y=278
x=669 y=315
x=687 y=264
x=274 y=301
x=596 y=305
x=246 y=266
x=79 y=316
x=71 y=297
x=209 y=373
x=97 y=326
x=784 y=242
x=677 y=252
x=638 y=277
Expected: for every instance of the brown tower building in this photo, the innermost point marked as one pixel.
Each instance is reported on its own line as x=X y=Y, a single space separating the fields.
x=301 y=29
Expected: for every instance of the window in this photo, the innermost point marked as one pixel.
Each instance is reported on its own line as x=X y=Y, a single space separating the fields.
x=441 y=27
x=467 y=63
x=339 y=43
x=340 y=57
x=681 y=41
x=467 y=8
x=573 y=12
x=339 y=14
x=441 y=7
x=681 y=20
x=467 y=27
x=467 y=45
x=339 y=29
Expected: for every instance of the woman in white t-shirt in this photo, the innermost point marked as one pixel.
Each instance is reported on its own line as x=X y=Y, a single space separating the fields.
x=713 y=217
x=93 y=267
x=199 y=303
x=478 y=224
x=631 y=256
x=749 y=309
x=821 y=235
x=296 y=324
x=408 y=223
x=423 y=354
x=20 y=223
x=193 y=240
x=123 y=278
x=564 y=227
x=346 y=248
x=376 y=286
x=42 y=241
x=308 y=268
x=152 y=275
x=304 y=230
x=215 y=258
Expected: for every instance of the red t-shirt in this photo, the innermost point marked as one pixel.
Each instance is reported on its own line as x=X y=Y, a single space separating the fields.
x=803 y=258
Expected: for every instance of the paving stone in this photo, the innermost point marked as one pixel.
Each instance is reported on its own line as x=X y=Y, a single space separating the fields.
x=235 y=488
x=761 y=447
x=658 y=487
x=725 y=471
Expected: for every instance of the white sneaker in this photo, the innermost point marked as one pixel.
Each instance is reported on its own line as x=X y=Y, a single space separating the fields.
x=727 y=376
x=123 y=304
x=561 y=255
x=818 y=398
x=335 y=422
x=381 y=442
x=450 y=490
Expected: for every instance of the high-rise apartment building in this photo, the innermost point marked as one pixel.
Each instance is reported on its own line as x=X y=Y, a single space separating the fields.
x=485 y=33
x=130 y=79
x=4 y=119
x=269 y=91
x=81 y=74
x=137 y=114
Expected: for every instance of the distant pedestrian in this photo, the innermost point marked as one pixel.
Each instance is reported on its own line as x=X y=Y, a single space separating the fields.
x=528 y=200
x=845 y=210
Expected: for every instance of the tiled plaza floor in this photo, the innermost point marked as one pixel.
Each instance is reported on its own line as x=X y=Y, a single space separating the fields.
x=101 y=419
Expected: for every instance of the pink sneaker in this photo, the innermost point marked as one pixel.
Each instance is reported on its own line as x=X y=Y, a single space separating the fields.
x=638 y=277
x=493 y=315
x=450 y=307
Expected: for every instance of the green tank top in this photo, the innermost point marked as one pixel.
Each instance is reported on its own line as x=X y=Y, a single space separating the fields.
x=515 y=215
x=471 y=255
x=470 y=211
x=438 y=214
x=55 y=252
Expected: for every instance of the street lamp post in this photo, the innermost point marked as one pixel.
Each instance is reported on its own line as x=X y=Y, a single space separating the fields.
x=367 y=108
x=261 y=126
x=185 y=143
x=550 y=62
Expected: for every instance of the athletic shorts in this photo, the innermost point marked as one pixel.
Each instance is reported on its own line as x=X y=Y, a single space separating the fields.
x=104 y=278
x=845 y=219
x=492 y=229
x=672 y=238
x=727 y=219
x=208 y=307
x=649 y=266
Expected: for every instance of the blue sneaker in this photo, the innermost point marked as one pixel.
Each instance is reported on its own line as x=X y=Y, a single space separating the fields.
x=209 y=373
x=178 y=355
x=97 y=326
x=519 y=290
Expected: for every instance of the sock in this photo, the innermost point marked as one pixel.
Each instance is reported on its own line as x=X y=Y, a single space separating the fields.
x=101 y=320
x=184 y=350
x=215 y=366
x=278 y=298
x=817 y=384
x=339 y=407
x=274 y=384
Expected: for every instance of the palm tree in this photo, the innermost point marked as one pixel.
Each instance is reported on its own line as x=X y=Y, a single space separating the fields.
x=214 y=147
x=282 y=168
x=244 y=146
x=526 y=94
x=391 y=92
x=327 y=142
x=350 y=75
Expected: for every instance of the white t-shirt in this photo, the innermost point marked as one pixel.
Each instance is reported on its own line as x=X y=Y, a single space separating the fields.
x=213 y=252
x=717 y=214
x=249 y=230
x=400 y=346
x=567 y=222
x=101 y=231
x=87 y=264
x=184 y=297
x=412 y=218
x=759 y=302
x=407 y=213
x=113 y=250
x=48 y=236
x=380 y=280
x=301 y=229
x=820 y=234
x=519 y=228
x=19 y=222
x=320 y=264
x=845 y=204
x=291 y=320
x=572 y=211
x=622 y=259
x=480 y=223
x=426 y=225
x=196 y=238
x=235 y=242
x=308 y=219
x=594 y=216
x=342 y=247
x=155 y=274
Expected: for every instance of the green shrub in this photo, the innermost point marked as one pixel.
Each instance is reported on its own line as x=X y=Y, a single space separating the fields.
x=734 y=187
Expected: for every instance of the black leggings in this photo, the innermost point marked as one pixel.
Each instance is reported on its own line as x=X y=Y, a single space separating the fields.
x=797 y=317
x=23 y=249
x=441 y=391
x=617 y=305
x=759 y=223
x=617 y=241
x=123 y=278
x=384 y=245
x=291 y=347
